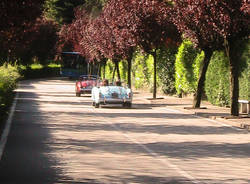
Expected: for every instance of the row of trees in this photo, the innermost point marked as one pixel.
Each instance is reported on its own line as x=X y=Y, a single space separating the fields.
x=123 y=26
x=29 y=28
x=24 y=33
x=120 y=29
x=102 y=30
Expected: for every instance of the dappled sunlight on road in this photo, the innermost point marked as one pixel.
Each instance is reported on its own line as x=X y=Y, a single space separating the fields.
x=144 y=144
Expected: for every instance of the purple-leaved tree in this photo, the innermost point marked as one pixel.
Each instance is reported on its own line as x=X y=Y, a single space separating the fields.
x=212 y=25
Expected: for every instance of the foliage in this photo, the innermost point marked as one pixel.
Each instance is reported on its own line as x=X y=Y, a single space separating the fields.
x=8 y=81
x=94 y=7
x=121 y=26
x=142 y=71
x=38 y=41
x=208 y=23
x=217 y=84
x=12 y=9
x=166 y=69
x=187 y=66
x=245 y=74
x=35 y=71
x=193 y=18
x=218 y=81
x=44 y=38
x=212 y=24
x=61 y=11
x=14 y=27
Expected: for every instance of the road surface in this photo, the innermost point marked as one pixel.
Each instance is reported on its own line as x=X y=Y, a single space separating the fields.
x=56 y=137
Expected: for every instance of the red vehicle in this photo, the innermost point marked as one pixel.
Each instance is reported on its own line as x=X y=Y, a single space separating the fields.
x=85 y=84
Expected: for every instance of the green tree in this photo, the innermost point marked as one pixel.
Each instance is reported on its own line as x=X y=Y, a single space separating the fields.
x=62 y=11
x=166 y=69
x=187 y=67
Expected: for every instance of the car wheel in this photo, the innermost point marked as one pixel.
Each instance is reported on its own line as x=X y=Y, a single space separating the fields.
x=97 y=105
x=129 y=105
x=124 y=104
x=78 y=94
x=93 y=103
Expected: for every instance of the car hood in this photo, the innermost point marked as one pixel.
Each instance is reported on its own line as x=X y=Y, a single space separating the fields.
x=88 y=83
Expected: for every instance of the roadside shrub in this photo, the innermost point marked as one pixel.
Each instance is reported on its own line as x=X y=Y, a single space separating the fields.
x=38 y=71
x=217 y=85
x=8 y=82
x=166 y=69
x=187 y=66
x=245 y=75
x=142 y=71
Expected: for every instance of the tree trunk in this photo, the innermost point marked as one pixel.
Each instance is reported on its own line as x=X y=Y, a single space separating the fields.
x=155 y=62
x=99 y=69
x=234 y=77
x=118 y=71
x=202 y=77
x=104 y=69
x=129 y=71
x=113 y=77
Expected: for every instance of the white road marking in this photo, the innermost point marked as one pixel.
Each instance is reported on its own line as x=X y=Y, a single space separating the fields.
x=152 y=153
x=7 y=127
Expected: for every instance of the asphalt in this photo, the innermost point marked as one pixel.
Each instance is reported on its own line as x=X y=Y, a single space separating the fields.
x=207 y=110
x=58 y=138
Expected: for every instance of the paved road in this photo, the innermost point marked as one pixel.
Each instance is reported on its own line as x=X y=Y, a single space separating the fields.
x=56 y=137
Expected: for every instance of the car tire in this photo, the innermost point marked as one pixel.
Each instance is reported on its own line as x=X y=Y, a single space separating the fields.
x=93 y=103
x=127 y=104
x=78 y=94
x=124 y=104
x=97 y=105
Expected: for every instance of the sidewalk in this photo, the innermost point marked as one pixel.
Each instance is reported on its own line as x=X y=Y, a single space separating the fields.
x=207 y=110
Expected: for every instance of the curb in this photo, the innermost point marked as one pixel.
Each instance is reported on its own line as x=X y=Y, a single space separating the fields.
x=245 y=126
x=240 y=125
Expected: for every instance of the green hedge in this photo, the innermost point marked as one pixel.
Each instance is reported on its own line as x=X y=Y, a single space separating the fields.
x=245 y=75
x=187 y=66
x=39 y=71
x=217 y=85
x=142 y=70
x=166 y=69
x=8 y=81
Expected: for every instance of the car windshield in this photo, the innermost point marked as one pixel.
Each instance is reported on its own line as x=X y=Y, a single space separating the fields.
x=88 y=77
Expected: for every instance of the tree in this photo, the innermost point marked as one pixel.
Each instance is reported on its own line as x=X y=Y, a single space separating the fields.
x=44 y=37
x=122 y=20
x=233 y=30
x=16 y=16
x=193 y=19
x=210 y=24
x=137 y=23
x=121 y=27
x=16 y=13
x=61 y=11
x=156 y=30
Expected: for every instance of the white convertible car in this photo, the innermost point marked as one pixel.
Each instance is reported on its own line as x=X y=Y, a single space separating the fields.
x=111 y=94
